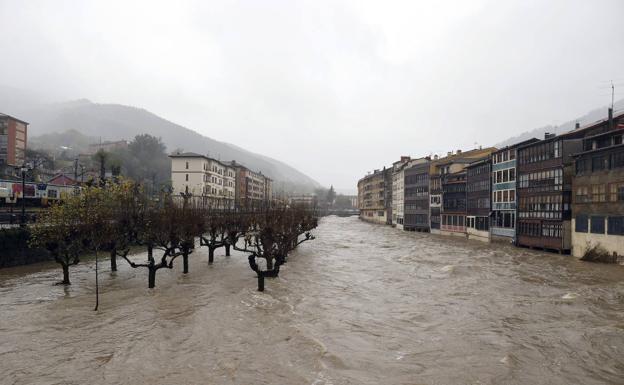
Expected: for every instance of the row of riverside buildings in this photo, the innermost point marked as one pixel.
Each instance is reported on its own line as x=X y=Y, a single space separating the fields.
x=563 y=193
x=226 y=184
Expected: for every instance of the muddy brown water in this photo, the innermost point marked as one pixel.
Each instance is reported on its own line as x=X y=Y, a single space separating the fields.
x=361 y=304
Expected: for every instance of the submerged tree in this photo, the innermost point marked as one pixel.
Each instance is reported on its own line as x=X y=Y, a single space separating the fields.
x=59 y=230
x=273 y=234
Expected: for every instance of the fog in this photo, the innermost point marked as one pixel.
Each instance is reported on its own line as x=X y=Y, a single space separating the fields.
x=334 y=88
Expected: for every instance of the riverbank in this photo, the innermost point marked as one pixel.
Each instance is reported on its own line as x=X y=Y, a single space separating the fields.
x=361 y=304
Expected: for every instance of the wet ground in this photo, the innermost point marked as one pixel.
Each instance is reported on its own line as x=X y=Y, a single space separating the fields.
x=361 y=304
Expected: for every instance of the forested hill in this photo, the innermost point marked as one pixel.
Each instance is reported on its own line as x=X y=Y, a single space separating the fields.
x=115 y=122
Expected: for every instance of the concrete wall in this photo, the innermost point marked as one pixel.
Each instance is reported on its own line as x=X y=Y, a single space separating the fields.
x=581 y=241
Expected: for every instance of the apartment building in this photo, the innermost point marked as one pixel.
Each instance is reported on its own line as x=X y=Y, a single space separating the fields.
x=545 y=170
x=251 y=188
x=598 y=189
x=202 y=176
x=478 y=185
x=13 y=141
x=416 y=199
x=372 y=197
x=504 y=196
x=448 y=181
x=398 y=191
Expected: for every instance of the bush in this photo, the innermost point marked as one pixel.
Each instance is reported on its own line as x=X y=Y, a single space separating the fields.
x=597 y=253
x=14 y=249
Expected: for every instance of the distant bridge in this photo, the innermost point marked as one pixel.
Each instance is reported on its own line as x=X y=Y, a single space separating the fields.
x=341 y=212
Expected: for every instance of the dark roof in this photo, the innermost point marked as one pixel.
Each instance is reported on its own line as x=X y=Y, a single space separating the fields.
x=12 y=117
x=187 y=155
x=479 y=161
x=519 y=144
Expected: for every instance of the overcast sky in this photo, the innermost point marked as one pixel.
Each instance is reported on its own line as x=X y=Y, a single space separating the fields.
x=334 y=88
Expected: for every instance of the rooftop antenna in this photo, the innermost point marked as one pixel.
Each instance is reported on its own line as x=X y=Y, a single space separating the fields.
x=612 y=93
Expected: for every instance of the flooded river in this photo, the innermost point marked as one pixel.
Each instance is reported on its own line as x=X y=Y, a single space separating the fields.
x=361 y=304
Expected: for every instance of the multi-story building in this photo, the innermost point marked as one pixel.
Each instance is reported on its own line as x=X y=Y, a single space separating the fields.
x=372 y=200
x=450 y=171
x=251 y=188
x=416 y=198
x=545 y=170
x=454 y=203
x=598 y=187
x=435 y=196
x=504 y=197
x=398 y=191
x=478 y=186
x=13 y=141
x=203 y=177
x=388 y=194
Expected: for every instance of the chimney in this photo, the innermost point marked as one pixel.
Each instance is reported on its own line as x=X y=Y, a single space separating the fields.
x=449 y=153
x=548 y=135
x=458 y=151
x=610 y=118
x=577 y=126
x=435 y=157
x=405 y=159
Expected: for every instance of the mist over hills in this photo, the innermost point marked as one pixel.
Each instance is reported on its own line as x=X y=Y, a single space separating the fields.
x=85 y=120
x=590 y=117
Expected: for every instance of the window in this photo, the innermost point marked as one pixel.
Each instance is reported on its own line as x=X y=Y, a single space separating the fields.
x=512 y=195
x=598 y=193
x=616 y=225
x=580 y=224
x=597 y=224
x=598 y=163
x=187 y=177
x=187 y=165
x=616 y=192
x=582 y=194
x=380 y=213
x=512 y=174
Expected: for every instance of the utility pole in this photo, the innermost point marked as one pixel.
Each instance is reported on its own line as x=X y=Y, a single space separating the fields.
x=612 y=94
x=76 y=169
x=23 y=221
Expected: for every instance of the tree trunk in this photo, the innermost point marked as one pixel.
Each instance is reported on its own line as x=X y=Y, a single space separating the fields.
x=113 y=259
x=185 y=263
x=227 y=249
x=269 y=263
x=65 y=275
x=151 y=280
x=210 y=254
x=260 y=281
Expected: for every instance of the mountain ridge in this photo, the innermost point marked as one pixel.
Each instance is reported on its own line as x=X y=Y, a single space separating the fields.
x=111 y=121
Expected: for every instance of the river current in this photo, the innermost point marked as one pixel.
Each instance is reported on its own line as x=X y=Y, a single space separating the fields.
x=361 y=304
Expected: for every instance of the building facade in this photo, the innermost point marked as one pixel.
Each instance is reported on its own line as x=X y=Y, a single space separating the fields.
x=598 y=190
x=503 y=218
x=13 y=141
x=211 y=180
x=398 y=191
x=478 y=185
x=545 y=170
x=416 y=181
x=453 y=203
x=372 y=200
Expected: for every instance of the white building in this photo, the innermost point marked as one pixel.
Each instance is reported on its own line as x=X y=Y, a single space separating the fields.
x=204 y=177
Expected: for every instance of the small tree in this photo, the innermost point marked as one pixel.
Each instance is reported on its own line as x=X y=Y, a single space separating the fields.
x=59 y=230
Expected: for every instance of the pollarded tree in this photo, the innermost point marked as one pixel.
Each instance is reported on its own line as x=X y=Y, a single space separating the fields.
x=129 y=198
x=159 y=230
x=59 y=230
x=214 y=234
x=272 y=234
